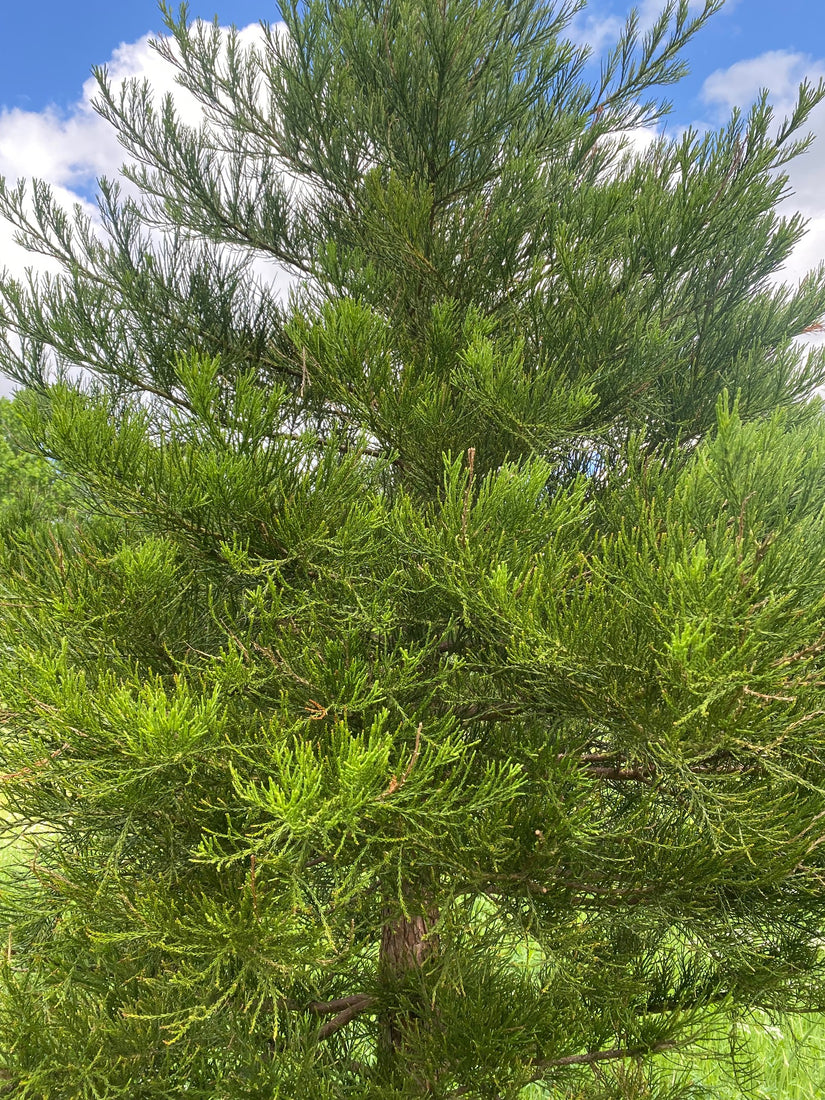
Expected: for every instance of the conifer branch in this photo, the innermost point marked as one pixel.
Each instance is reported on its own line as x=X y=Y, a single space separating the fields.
x=482 y=268
x=396 y=783
x=346 y=1009
x=612 y=1055
x=591 y=1058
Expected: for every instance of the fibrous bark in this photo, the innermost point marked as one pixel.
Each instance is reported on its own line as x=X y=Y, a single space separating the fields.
x=407 y=943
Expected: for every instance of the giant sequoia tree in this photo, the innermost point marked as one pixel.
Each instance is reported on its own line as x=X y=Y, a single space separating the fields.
x=435 y=705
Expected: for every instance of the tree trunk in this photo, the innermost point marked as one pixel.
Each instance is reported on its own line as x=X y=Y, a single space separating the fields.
x=406 y=944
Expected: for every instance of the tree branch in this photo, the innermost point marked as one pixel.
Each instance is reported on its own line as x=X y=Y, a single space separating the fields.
x=323 y=1008
x=641 y=774
x=350 y=1008
x=612 y=1055
x=611 y=766
x=591 y=1058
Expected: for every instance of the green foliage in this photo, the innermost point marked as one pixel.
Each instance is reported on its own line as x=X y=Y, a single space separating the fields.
x=30 y=485
x=427 y=698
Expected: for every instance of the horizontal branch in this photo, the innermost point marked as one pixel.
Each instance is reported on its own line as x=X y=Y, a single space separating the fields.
x=503 y=712
x=613 y=767
x=625 y=895
x=354 y=1008
x=323 y=1008
x=592 y=1057
x=612 y=1055
x=641 y=774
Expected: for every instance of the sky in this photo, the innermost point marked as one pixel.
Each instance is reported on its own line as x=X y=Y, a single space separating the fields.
x=47 y=48
x=49 y=130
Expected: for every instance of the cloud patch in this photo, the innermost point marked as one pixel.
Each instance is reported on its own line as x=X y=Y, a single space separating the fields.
x=71 y=148
x=782 y=71
x=599 y=25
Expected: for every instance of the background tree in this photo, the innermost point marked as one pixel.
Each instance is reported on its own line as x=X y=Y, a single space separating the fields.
x=39 y=509
x=29 y=483
x=450 y=719
x=34 y=503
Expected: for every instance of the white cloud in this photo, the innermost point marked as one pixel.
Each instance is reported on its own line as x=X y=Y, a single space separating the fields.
x=599 y=26
x=71 y=148
x=782 y=72
x=598 y=31
x=68 y=150
x=139 y=60
x=650 y=10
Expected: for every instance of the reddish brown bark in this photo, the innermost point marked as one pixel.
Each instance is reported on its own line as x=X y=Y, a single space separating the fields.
x=406 y=944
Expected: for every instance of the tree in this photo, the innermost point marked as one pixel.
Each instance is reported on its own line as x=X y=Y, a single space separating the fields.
x=39 y=508
x=29 y=484
x=451 y=718
x=38 y=512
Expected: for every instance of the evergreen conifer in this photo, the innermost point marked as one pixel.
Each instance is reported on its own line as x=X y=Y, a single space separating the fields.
x=430 y=702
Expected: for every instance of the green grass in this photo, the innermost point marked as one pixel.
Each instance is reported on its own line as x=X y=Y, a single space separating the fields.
x=785 y=1062
x=11 y=847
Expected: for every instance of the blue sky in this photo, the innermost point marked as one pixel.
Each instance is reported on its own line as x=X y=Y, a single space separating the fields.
x=48 y=47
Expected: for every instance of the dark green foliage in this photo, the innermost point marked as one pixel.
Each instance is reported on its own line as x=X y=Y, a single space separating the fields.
x=429 y=700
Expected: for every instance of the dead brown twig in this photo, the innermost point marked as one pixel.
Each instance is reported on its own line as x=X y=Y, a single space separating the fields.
x=5 y=778
x=471 y=461
x=396 y=783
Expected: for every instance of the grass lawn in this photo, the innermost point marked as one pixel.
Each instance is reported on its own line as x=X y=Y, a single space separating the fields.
x=788 y=1063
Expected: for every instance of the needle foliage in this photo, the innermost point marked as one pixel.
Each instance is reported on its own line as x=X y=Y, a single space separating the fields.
x=430 y=700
